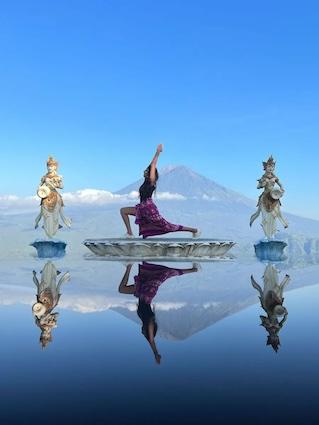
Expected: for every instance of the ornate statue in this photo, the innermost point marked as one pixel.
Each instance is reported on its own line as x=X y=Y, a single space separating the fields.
x=269 y=201
x=271 y=300
x=48 y=296
x=51 y=200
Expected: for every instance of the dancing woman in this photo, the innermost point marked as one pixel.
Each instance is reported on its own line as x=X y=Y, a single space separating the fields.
x=148 y=218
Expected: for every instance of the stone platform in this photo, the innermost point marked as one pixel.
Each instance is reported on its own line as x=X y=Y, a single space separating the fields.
x=159 y=248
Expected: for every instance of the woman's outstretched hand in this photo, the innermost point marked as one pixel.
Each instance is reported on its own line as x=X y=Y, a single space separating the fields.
x=159 y=148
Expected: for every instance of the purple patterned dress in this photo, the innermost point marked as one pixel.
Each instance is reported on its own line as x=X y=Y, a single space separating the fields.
x=149 y=279
x=148 y=218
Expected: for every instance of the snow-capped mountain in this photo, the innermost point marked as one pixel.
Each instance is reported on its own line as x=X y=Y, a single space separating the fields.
x=183 y=196
x=191 y=185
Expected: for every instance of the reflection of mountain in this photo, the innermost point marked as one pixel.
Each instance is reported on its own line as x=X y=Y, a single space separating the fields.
x=184 y=305
x=185 y=321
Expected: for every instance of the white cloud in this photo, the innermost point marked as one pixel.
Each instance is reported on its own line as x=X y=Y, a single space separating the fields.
x=81 y=197
x=91 y=196
x=8 y=202
x=168 y=196
x=209 y=198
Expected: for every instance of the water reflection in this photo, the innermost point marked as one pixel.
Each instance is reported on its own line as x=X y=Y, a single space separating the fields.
x=271 y=300
x=146 y=284
x=48 y=296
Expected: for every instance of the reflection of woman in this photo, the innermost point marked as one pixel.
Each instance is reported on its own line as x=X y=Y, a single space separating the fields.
x=48 y=295
x=148 y=218
x=150 y=277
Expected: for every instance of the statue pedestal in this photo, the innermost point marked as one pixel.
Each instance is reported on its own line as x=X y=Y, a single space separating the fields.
x=270 y=250
x=159 y=248
x=49 y=249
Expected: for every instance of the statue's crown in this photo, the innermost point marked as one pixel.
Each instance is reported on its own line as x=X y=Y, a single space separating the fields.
x=270 y=161
x=52 y=161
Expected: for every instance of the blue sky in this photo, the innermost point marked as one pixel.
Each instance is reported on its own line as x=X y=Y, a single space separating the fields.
x=99 y=84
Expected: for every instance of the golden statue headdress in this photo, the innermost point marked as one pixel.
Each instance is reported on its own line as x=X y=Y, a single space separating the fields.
x=270 y=161
x=52 y=161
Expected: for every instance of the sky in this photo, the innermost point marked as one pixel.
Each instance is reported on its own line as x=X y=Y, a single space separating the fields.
x=98 y=84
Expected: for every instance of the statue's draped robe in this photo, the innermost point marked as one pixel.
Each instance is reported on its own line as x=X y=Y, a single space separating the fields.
x=52 y=207
x=269 y=208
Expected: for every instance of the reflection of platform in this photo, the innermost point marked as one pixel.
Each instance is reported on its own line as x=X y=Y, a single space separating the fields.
x=49 y=248
x=158 y=248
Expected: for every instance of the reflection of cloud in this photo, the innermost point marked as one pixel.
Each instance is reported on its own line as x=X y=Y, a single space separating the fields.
x=168 y=306
x=211 y=304
x=11 y=295
x=98 y=304
x=95 y=306
x=83 y=197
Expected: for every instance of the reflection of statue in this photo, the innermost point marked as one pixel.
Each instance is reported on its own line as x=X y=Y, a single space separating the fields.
x=269 y=201
x=271 y=300
x=150 y=277
x=51 y=200
x=48 y=295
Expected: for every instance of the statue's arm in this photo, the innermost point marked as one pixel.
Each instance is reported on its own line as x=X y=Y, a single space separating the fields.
x=256 y=285
x=262 y=182
x=279 y=184
x=35 y=279
x=60 y=183
x=283 y=320
x=65 y=278
x=284 y=282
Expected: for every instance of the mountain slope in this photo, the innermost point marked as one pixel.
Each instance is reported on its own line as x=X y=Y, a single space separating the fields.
x=184 y=181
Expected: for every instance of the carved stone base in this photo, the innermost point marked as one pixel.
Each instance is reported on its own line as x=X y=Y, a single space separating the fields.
x=270 y=250
x=49 y=249
x=158 y=248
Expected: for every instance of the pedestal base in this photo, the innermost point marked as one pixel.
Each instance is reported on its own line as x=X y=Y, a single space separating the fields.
x=159 y=248
x=49 y=249
x=270 y=250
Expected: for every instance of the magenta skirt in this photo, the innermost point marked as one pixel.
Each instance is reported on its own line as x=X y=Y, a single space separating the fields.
x=150 y=221
x=149 y=279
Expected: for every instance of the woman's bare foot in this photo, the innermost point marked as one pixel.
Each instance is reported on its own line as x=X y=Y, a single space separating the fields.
x=197 y=267
x=196 y=233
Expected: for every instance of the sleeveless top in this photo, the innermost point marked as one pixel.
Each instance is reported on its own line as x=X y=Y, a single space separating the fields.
x=146 y=190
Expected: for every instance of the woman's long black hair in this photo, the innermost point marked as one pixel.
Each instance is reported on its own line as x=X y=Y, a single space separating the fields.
x=147 y=188
x=146 y=314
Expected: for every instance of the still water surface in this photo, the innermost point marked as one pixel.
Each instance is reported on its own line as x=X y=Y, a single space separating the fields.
x=97 y=367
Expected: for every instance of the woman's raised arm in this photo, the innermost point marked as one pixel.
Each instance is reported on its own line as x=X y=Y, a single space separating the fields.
x=154 y=163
